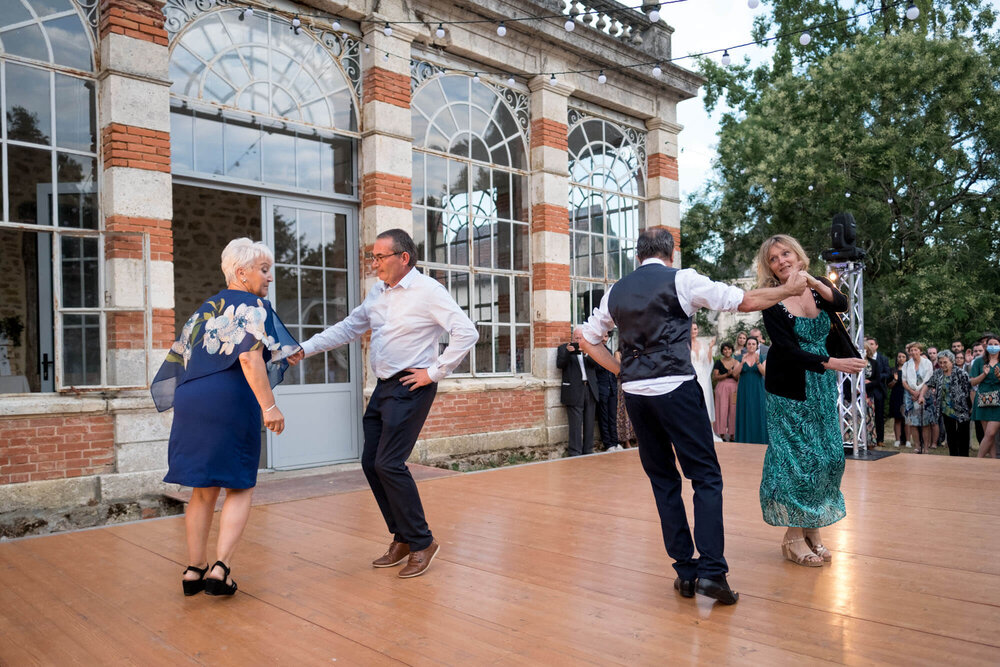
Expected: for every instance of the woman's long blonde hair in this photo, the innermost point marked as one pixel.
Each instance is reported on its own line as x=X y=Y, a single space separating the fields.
x=765 y=276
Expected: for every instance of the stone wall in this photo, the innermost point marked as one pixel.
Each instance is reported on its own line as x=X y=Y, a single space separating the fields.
x=13 y=299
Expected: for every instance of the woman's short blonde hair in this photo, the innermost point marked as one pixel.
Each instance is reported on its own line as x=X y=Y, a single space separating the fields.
x=765 y=276
x=919 y=346
x=241 y=253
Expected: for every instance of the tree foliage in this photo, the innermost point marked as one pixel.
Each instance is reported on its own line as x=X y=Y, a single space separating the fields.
x=896 y=122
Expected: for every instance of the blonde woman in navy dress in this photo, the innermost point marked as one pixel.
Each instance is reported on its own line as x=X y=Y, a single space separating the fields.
x=218 y=378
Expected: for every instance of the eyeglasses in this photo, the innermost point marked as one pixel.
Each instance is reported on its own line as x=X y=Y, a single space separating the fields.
x=378 y=258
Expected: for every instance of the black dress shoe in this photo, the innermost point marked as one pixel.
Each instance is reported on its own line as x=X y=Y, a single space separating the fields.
x=718 y=589
x=685 y=586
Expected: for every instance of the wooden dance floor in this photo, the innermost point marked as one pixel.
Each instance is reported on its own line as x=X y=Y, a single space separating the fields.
x=558 y=563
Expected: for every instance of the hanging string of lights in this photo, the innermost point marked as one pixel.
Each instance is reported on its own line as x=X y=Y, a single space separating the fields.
x=653 y=14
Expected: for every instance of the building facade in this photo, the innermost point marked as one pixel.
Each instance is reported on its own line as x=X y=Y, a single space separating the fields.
x=140 y=136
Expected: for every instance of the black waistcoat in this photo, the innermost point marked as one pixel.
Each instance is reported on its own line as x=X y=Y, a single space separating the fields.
x=654 y=332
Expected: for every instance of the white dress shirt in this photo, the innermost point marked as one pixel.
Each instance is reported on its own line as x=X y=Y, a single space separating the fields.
x=694 y=291
x=406 y=322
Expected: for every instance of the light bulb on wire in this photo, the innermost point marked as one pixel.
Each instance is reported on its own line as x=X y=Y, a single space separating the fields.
x=510 y=80
x=847 y=194
x=912 y=12
x=931 y=203
x=569 y=25
x=501 y=29
x=387 y=30
x=602 y=78
x=385 y=57
x=247 y=11
x=296 y=22
x=726 y=59
x=982 y=209
x=440 y=31
x=552 y=79
x=657 y=71
x=805 y=38
x=810 y=188
x=367 y=48
x=654 y=14
x=475 y=77
x=335 y=25
x=753 y=4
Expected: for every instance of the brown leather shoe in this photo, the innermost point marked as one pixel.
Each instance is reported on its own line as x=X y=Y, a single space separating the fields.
x=419 y=561
x=394 y=555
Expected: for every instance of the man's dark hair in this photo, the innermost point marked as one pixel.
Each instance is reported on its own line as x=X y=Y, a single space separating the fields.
x=655 y=242
x=401 y=242
x=872 y=338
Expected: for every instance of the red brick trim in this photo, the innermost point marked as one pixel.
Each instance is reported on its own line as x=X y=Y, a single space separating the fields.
x=163 y=328
x=161 y=240
x=548 y=132
x=381 y=85
x=549 y=276
x=461 y=413
x=55 y=447
x=551 y=334
x=127 y=329
x=136 y=147
x=549 y=218
x=379 y=189
x=139 y=19
x=662 y=165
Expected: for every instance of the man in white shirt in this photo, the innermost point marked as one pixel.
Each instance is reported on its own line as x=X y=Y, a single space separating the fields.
x=652 y=308
x=407 y=313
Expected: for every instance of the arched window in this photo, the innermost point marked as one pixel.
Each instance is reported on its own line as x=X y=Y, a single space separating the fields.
x=48 y=178
x=606 y=208
x=470 y=212
x=294 y=87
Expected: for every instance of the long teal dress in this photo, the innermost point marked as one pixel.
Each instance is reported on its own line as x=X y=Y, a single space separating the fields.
x=804 y=461
x=751 y=408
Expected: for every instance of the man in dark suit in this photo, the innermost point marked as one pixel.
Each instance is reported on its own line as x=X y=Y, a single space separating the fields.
x=652 y=308
x=607 y=405
x=875 y=386
x=579 y=395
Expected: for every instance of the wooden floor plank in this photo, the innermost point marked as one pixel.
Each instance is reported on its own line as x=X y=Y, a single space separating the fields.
x=554 y=563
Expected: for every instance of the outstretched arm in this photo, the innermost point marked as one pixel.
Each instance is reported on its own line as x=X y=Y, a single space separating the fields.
x=763 y=298
x=601 y=355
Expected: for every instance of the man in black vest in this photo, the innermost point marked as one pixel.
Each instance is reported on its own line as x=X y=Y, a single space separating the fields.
x=579 y=395
x=652 y=308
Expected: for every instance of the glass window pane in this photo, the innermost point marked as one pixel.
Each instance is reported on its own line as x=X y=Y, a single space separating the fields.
x=279 y=157
x=520 y=244
x=307 y=160
x=181 y=148
x=29 y=109
x=78 y=190
x=335 y=238
x=460 y=291
x=581 y=254
x=502 y=194
x=242 y=150
x=312 y=296
x=26 y=42
x=70 y=45
x=337 y=306
x=420 y=232
x=75 y=118
x=503 y=244
x=597 y=258
x=286 y=294
x=285 y=237
x=522 y=301
x=78 y=210
x=208 y=145
x=522 y=349
x=28 y=169
x=437 y=181
x=485 y=302
x=417 y=191
x=502 y=297
x=81 y=350
x=310 y=238
x=458 y=238
x=482 y=243
x=437 y=248
x=484 y=349
x=80 y=288
x=502 y=356
x=314 y=367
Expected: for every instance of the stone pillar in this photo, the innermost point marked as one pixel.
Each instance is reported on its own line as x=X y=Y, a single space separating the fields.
x=662 y=187
x=134 y=117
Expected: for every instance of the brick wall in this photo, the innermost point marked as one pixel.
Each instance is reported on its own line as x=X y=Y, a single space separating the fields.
x=139 y=19
x=128 y=146
x=548 y=132
x=662 y=165
x=381 y=85
x=463 y=413
x=380 y=189
x=41 y=448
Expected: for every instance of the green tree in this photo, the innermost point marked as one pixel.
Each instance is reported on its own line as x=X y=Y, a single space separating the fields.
x=898 y=124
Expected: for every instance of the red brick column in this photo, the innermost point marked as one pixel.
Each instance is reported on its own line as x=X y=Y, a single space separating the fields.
x=662 y=187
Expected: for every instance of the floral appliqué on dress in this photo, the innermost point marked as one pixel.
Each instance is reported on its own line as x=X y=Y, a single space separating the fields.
x=223 y=329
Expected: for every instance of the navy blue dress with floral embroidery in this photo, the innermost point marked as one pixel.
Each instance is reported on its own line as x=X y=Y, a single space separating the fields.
x=216 y=433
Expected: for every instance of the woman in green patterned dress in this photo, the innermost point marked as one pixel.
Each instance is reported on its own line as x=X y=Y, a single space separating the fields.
x=804 y=462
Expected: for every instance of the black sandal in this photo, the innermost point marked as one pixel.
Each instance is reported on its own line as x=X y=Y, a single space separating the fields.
x=219 y=586
x=194 y=586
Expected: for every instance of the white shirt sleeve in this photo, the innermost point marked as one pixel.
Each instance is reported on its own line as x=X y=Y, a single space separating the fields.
x=600 y=323
x=348 y=329
x=462 y=333
x=696 y=291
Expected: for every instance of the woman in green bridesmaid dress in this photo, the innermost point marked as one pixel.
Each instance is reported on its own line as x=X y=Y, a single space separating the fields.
x=800 y=484
x=751 y=406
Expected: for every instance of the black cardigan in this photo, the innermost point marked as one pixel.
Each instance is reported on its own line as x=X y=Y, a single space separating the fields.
x=787 y=362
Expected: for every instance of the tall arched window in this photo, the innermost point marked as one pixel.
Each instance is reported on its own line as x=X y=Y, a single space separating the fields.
x=50 y=240
x=607 y=186
x=293 y=86
x=470 y=213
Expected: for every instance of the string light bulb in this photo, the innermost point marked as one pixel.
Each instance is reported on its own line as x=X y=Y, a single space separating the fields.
x=725 y=58
x=552 y=79
x=387 y=30
x=245 y=12
x=810 y=188
x=805 y=38
x=753 y=4
x=296 y=22
x=847 y=194
x=912 y=12
x=385 y=57
x=833 y=276
x=891 y=200
x=475 y=77
x=932 y=203
x=657 y=70
x=569 y=25
x=440 y=31
x=654 y=14
x=982 y=209
x=501 y=29
x=367 y=48
x=601 y=78
x=510 y=80
x=335 y=25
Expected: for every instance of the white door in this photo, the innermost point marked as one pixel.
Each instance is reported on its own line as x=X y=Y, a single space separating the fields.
x=315 y=286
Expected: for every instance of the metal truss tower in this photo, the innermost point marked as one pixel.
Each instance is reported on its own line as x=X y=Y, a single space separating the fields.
x=852 y=404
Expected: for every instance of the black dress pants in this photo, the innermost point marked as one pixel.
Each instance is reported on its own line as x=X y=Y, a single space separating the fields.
x=581 y=424
x=958 y=436
x=391 y=424
x=678 y=422
x=878 y=405
x=607 y=411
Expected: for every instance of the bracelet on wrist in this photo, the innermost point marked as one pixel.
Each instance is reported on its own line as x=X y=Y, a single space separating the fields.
x=273 y=406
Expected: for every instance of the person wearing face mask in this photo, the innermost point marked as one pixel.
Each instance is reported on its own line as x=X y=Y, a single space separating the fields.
x=985 y=377
x=218 y=378
x=804 y=462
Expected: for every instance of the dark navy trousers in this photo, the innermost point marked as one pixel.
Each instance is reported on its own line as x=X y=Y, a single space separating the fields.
x=677 y=422
x=392 y=424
